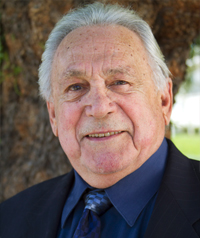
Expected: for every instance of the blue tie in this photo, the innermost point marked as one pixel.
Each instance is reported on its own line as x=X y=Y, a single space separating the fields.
x=96 y=203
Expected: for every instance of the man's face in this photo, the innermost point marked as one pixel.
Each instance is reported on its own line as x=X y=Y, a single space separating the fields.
x=106 y=110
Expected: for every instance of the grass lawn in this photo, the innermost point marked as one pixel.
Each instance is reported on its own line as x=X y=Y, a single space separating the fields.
x=189 y=145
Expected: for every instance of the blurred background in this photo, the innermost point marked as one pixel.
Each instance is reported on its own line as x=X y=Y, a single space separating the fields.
x=185 y=119
x=29 y=151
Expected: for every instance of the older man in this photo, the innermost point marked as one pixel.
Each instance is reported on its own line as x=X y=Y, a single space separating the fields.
x=109 y=98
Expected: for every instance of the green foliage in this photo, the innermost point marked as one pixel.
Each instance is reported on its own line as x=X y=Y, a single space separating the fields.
x=16 y=70
x=8 y=68
x=3 y=57
x=195 y=47
x=194 y=51
x=42 y=45
x=16 y=88
x=188 y=144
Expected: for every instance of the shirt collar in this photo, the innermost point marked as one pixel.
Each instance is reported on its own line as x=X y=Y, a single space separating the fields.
x=131 y=194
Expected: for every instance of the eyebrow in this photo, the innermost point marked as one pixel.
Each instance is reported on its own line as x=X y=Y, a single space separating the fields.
x=74 y=73
x=119 y=70
x=109 y=72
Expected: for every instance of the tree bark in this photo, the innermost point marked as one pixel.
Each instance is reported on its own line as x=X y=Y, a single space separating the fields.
x=29 y=151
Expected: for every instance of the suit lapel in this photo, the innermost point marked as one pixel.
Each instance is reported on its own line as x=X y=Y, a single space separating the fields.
x=177 y=205
x=44 y=219
x=168 y=220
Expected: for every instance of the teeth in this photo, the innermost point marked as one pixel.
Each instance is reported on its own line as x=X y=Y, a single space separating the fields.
x=105 y=134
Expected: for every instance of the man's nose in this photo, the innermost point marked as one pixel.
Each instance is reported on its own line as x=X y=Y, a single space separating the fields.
x=99 y=104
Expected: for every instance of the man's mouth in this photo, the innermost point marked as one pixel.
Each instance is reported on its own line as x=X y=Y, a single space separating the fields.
x=97 y=135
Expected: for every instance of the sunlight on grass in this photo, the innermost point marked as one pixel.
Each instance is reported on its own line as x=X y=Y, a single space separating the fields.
x=189 y=145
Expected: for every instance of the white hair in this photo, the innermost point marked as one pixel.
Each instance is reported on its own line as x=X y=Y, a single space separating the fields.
x=101 y=14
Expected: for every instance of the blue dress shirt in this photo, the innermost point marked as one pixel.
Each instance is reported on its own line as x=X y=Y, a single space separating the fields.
x=133 y=200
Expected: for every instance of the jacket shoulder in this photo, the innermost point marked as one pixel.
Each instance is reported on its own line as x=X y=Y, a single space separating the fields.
x=33 y=192
x=16 y=209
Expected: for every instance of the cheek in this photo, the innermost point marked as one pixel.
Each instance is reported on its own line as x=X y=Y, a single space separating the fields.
x=143 y=118
x=68 y=119
x=65 y=122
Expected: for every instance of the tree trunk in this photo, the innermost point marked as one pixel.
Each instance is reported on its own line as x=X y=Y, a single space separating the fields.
x=29 y=151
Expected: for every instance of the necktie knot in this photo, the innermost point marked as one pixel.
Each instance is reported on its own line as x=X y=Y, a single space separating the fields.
x=97 y=201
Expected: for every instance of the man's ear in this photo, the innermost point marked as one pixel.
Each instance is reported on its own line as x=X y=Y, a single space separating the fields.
x=167 y=101
x=52 y=117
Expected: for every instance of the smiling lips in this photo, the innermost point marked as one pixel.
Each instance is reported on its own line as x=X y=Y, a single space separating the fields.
x=104 y=134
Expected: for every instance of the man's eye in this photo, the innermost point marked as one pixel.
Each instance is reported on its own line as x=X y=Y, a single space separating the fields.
x=120 y=86
x=75 y=87
x=120 y=82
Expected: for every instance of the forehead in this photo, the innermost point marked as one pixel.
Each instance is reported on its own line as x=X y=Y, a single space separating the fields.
x=108 y=34
x=104 y=45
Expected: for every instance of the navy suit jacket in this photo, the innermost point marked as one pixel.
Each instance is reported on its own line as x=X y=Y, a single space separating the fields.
x=36 y=212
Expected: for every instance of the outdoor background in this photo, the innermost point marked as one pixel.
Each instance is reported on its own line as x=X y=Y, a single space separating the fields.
x=185 y=119
x=29 y=151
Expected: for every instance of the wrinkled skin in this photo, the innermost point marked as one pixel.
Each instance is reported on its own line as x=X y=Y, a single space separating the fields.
x=102 y=83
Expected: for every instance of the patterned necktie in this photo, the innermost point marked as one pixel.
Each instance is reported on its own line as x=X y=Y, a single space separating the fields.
x=96 y=203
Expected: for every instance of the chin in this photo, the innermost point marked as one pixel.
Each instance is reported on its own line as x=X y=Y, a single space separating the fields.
x=104 y=171
x=107 y=167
